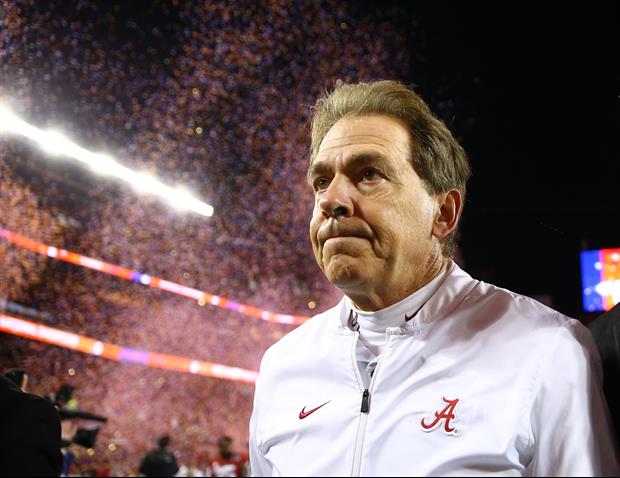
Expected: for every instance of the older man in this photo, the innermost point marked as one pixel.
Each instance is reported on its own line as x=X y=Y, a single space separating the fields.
x=420 y=369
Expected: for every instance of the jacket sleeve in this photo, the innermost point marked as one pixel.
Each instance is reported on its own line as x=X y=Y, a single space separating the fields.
x=570 y=420
x=259 y=465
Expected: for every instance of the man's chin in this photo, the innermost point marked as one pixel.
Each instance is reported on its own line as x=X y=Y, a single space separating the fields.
x=343 y=271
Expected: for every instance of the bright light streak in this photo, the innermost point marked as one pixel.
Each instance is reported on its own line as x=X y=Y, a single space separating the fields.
x=55 y=143
x=107 y=166
x=145 y=182
x=152 y=281
x=6 y=118
x=88 y=345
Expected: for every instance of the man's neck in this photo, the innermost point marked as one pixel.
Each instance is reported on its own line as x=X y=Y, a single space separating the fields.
x=385 y=295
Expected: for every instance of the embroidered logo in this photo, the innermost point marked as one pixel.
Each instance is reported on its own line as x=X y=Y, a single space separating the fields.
x=444 y=417
x=303 y=414
x=409 y=317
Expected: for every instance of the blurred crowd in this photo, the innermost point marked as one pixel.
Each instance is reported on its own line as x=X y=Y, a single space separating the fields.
x=214 y=97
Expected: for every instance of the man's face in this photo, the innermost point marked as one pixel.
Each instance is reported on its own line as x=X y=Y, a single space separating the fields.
x=372 y=224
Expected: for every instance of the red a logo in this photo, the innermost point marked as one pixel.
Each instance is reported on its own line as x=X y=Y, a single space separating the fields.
x=446 y=414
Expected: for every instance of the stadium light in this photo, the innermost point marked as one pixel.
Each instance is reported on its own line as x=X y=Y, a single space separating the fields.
x=57 y=144
x=106 y=165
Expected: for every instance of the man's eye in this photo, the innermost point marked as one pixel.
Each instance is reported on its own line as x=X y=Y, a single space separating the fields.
x=370 y=175
x=321 y=184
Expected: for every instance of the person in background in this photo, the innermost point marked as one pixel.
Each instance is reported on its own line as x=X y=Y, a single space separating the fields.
x=67 y=432
x=159 y=461
x=228 y=462
x=420 y=370
x=606 y=333
x=19 y=377
x=29 y=431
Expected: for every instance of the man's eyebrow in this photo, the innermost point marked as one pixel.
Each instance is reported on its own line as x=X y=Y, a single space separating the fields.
x=358 y=160
x=367 y=158
x=317 y=168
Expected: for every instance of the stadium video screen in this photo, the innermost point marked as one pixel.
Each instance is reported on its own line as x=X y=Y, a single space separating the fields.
x=600 y=279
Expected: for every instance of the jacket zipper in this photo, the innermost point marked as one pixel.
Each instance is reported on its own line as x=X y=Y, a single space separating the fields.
x=361 y=429
x=365 y=404
x=364 y=409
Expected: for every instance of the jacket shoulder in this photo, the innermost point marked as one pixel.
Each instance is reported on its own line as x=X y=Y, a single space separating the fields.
x=308 y=335
x=518 y=308
x=508 y=318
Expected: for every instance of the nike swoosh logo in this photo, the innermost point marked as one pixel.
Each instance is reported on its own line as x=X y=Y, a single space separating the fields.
x=303 y=414
x=409 y=317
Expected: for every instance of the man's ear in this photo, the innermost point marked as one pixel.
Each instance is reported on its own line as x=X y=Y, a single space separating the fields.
x=447 y=216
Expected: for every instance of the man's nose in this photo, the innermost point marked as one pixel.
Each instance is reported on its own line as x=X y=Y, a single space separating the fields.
x=336 y=200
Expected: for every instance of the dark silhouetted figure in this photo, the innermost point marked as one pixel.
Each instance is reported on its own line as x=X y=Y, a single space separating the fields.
x=29 y=433
x=19 y=377
x=160 y=461
x=606 y=332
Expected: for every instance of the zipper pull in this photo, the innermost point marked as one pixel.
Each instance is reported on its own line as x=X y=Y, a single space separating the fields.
x=365 y=401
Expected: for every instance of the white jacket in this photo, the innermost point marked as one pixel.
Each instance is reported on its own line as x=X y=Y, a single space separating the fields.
x=481 y=381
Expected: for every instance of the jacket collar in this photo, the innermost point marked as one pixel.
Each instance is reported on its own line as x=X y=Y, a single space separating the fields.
x=455 y=286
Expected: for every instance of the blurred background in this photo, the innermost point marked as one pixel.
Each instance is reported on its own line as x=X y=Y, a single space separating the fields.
x=215 y=98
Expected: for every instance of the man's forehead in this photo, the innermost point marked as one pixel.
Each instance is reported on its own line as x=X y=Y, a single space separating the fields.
x=335 y=145
x=371 y=132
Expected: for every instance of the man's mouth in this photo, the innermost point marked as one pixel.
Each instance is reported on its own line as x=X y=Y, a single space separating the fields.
x=340 y=232
x=342 y=237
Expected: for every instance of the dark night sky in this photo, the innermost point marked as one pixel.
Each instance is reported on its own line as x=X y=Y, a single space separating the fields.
x=534 y=97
